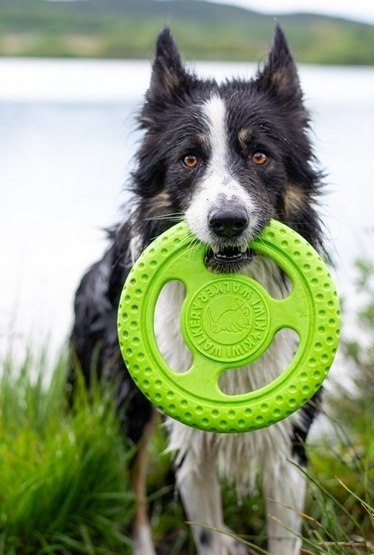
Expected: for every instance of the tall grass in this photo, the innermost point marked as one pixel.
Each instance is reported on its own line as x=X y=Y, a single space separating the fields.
x=63 y=482
x=65 y=489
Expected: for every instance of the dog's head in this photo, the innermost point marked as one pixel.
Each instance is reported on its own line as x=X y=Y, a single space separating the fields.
x=226 y=157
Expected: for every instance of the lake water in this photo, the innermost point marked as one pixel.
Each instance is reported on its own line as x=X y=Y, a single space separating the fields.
x=67 y=135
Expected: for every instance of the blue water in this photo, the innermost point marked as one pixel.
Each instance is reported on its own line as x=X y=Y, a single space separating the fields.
x=67 y=136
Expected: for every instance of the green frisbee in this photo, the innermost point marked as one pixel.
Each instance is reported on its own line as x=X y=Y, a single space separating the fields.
x=228 y=321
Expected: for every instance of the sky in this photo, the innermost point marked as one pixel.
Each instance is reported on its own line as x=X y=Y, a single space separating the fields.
x=362 y=10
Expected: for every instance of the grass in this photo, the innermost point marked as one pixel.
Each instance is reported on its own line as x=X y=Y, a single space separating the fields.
x=65 y=488
x=62 y=473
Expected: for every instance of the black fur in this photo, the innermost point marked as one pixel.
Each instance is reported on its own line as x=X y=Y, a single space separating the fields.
x=269 y=111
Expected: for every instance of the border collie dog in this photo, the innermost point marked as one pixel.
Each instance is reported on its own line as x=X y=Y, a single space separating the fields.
x=225 y=158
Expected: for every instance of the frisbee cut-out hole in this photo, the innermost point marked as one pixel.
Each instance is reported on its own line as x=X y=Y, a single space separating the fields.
x=167 y=327
x=237 y=381
x=228 y=319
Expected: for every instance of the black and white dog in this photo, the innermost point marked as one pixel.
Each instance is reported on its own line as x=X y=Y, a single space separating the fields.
x=226 y=158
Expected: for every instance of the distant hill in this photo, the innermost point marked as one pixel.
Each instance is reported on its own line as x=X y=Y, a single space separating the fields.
x=204 y=30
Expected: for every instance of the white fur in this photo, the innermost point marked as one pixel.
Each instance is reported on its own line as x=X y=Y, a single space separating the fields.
x=236 y=457
x=217 y=183
x=201 y=456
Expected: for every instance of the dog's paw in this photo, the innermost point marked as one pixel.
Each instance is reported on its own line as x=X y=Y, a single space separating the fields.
x=142 y=542
x=233 y=546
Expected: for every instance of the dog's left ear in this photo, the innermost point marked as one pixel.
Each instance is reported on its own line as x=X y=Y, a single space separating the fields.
x=168 y=77
x=279 y=76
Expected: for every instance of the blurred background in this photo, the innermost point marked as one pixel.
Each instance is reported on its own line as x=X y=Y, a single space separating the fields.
x=72 y=77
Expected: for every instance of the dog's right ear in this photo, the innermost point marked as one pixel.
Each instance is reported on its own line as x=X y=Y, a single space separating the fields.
x=168 y=77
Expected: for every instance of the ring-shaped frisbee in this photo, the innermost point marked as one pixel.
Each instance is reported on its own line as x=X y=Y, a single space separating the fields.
x=228 y=321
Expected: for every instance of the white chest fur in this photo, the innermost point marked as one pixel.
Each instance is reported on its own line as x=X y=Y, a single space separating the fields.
x=237 y=455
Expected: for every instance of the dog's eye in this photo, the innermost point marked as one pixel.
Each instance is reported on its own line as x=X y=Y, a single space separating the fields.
x=259 y=158
x=190 y=161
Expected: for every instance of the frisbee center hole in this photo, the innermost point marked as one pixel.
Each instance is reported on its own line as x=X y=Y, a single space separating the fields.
x=265 y=369
x=167 y=327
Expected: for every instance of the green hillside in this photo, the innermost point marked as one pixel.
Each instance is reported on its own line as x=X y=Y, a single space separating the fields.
x=204 y=30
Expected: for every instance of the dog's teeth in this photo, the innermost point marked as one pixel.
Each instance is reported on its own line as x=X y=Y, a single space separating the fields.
x=243 y=248
x=215 y=249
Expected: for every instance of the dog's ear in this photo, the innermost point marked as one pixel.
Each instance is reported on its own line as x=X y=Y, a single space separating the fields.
x=168 y=77
x=279 y=76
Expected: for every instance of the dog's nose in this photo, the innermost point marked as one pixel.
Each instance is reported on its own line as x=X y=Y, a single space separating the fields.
x=228 y=222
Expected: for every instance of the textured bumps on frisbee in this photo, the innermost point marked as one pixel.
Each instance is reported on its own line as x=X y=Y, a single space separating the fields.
x=228 y=321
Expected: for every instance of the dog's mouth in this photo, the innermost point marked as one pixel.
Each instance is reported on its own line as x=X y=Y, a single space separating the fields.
x=227 y=259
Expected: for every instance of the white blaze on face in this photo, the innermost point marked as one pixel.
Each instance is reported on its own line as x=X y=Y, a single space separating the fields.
x=218 y=185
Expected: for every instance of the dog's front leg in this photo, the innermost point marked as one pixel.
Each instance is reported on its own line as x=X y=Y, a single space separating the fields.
x=198 y=485
x=142 y=539
x=284 y=489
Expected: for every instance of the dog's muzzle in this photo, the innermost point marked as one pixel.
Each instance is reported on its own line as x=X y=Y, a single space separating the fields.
x=228 y=253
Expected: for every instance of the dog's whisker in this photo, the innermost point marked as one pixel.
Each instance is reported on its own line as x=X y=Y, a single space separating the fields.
x=187 y=159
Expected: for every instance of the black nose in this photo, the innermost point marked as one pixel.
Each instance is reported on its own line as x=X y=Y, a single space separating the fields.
x=228 y=222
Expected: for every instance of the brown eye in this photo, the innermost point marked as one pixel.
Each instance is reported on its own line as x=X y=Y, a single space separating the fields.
x=259 y=158
x=190 y=161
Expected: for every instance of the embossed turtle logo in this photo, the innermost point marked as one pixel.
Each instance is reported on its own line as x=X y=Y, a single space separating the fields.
x=232 y=320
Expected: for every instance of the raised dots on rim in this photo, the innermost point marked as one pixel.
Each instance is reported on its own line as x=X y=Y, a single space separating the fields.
x=228 y=418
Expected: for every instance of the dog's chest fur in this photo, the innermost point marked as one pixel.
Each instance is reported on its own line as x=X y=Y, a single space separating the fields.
x=237 y=455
